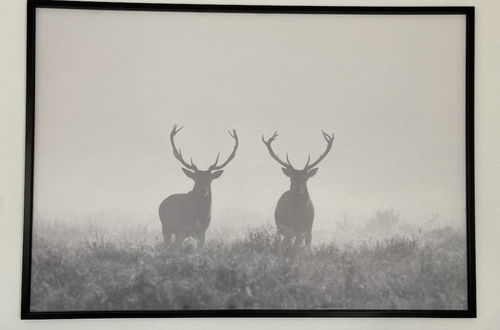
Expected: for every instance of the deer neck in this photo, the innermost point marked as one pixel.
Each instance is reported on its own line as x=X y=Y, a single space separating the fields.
x=203 y=196
x=299 y=191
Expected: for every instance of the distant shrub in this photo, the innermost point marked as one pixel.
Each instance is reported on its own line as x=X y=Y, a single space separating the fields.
x=384 y=219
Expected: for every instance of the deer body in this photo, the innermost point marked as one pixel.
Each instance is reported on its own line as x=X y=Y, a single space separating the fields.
x=185 y=215
x=294 y=214
x=188 y=215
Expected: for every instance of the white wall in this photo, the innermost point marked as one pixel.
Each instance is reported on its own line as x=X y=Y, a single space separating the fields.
x=12 y=94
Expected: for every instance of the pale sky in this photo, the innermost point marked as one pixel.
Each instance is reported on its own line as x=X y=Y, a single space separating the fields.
x=111 y=84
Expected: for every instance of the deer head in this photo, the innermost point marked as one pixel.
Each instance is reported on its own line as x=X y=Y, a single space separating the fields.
x=202 y=179
x=298 y=177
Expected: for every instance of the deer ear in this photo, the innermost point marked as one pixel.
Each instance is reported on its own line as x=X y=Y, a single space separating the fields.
x=217 y=174
x=286 y=171
x=312 y=172
x=188 y=173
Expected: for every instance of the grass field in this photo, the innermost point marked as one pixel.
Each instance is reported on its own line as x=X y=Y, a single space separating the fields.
x=90 y=268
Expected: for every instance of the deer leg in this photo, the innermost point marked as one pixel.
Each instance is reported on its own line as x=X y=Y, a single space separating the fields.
x=201 y=239
x=279 y=235
x=287 y=239
x=179 y=238
x=299 y=238
x=167 y=238
x=308 y=238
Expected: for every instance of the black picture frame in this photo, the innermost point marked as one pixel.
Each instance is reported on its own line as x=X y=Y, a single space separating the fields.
x=32 y=6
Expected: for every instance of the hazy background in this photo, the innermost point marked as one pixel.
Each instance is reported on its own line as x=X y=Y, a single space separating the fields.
x=110 y=86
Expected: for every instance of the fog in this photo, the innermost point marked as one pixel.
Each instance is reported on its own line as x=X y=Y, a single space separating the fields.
x=111 y=85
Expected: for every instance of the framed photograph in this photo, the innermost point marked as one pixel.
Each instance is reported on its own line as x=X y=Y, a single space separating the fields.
x=191 y=160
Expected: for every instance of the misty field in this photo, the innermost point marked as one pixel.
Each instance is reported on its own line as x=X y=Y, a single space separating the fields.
x=78 y=268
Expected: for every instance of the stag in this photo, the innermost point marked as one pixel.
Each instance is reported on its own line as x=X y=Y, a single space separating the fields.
x=294 y=214
x=188 y=215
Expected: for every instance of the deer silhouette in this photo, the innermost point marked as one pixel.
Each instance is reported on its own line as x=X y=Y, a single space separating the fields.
x=294 y=214
x=188 y=215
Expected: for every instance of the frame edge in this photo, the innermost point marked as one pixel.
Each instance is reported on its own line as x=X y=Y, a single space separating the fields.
x=32 y=5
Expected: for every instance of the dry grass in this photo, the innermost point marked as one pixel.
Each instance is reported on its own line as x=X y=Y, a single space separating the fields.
x=81 y=268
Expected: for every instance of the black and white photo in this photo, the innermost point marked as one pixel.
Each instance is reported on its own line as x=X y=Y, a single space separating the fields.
x=200 y=160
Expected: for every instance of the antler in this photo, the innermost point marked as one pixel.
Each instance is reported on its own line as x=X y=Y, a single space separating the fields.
x=273 y=154
x=214 y=166
x=329 y=143
x=177 y=152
